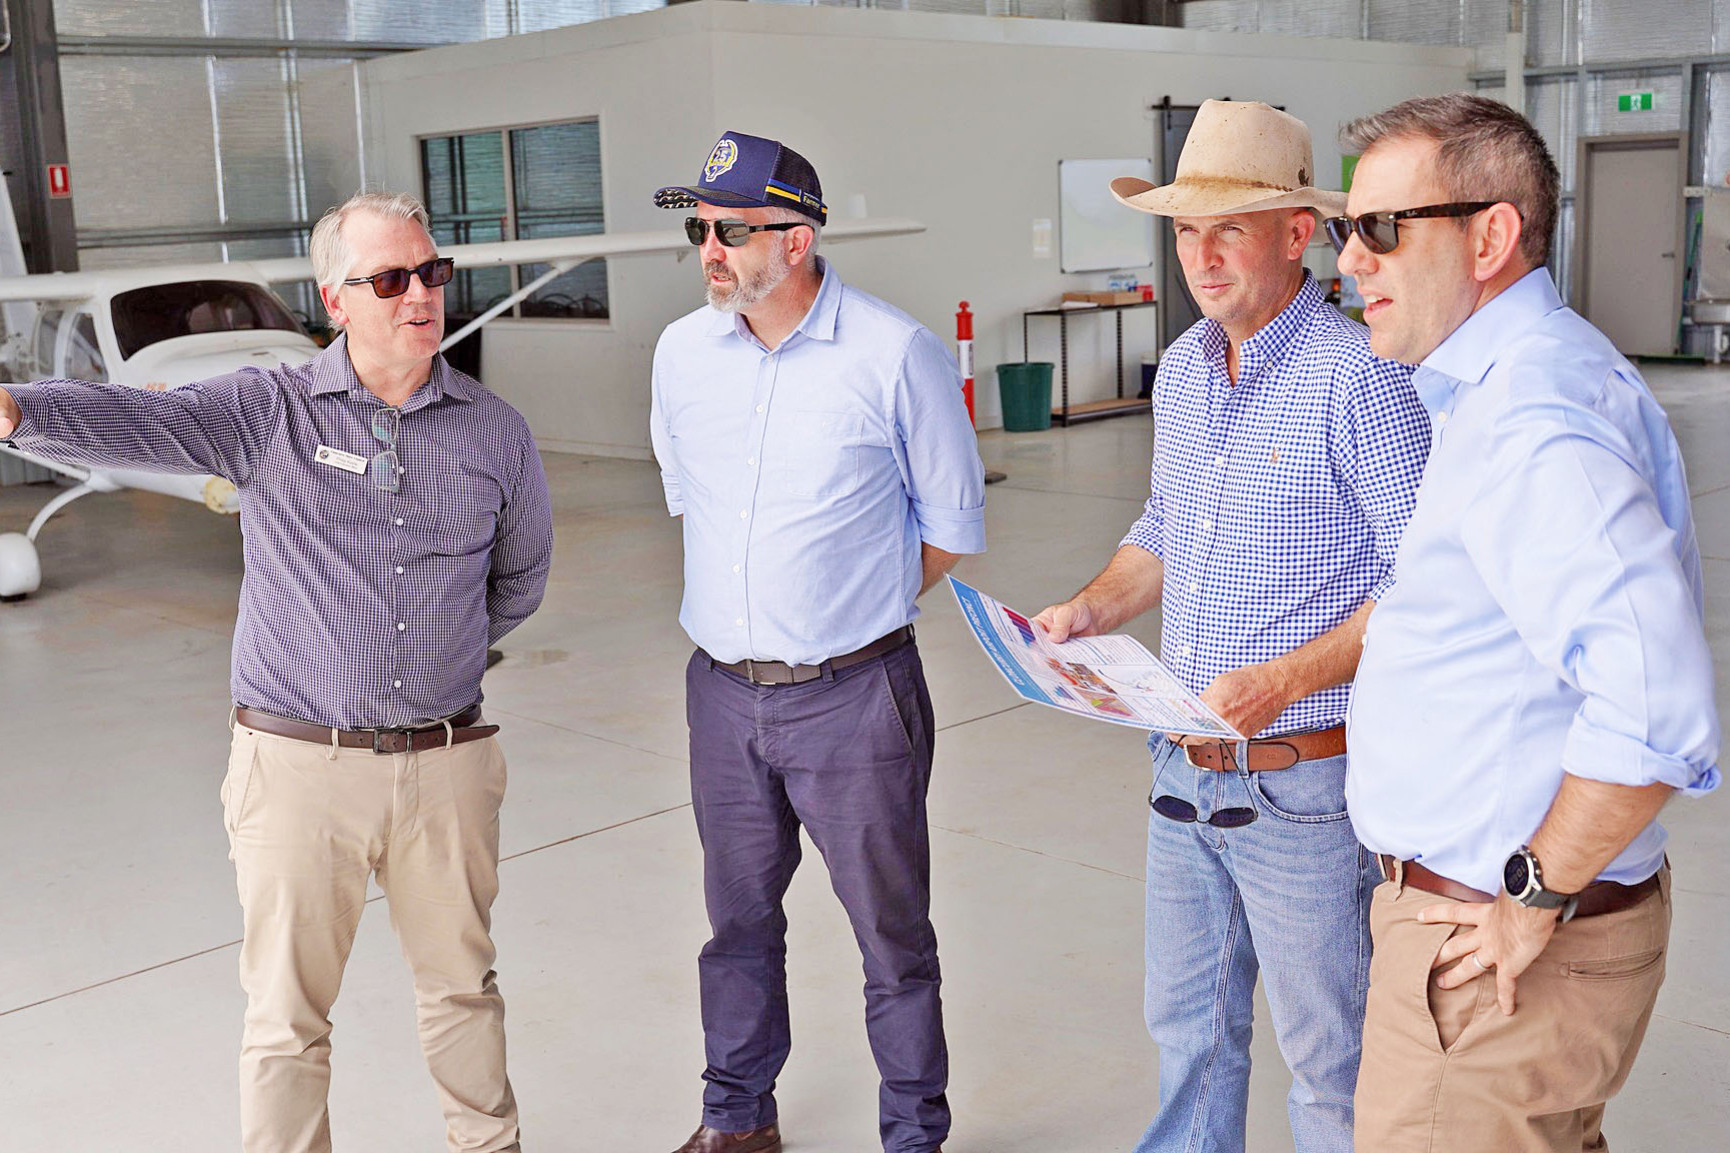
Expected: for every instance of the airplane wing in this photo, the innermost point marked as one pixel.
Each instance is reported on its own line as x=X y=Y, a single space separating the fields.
x=570 y=251
x=50 y=286
x=567 y=251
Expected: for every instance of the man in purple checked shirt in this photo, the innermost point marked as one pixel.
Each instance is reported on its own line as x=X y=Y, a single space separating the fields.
x=396 y=523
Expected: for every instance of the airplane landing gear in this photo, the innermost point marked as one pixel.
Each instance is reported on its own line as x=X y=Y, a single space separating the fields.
x=20 y=566
x=20 y=570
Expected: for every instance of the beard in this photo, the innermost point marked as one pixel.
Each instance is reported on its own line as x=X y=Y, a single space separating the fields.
x=750 y=291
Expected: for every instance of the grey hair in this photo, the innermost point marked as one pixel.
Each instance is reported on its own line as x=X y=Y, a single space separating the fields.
x=332 y=257
x=781 y=215
x=1486 y=151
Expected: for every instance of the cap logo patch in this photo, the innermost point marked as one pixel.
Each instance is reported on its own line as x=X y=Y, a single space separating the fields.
x=726 y=155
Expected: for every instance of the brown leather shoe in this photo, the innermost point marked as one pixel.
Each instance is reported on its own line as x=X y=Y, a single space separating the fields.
x=707 y=1140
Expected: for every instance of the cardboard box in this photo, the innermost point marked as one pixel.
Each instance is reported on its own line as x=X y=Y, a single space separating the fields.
x=1105 y=297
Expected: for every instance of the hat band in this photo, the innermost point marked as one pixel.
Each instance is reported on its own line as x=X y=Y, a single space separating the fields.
x=1224 y=183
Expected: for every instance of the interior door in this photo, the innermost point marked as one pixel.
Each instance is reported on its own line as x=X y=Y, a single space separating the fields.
x=1630 y=240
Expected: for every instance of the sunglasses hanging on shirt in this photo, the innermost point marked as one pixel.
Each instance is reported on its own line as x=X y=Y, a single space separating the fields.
x=386 y=467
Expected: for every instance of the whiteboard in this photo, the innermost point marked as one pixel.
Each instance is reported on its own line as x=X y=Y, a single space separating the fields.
x=1096 y=233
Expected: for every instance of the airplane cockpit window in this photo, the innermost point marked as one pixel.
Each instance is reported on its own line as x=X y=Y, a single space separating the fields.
x=158 y=312
x=83 y=353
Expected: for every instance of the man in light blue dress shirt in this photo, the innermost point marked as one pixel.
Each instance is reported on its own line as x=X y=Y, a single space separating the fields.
x=1286 y=461
x=815 y=442
x=1537 y=684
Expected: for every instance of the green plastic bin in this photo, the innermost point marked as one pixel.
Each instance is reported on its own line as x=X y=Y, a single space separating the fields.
x=1026 y=392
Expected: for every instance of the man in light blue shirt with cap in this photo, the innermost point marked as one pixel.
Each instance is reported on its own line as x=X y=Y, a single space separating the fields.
x=815 y=442
x=1537 y=684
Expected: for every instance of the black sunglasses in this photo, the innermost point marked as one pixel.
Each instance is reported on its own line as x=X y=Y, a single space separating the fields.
x=394 y=281
x=1180 y=810
x=1380 y=231
x=732 y=233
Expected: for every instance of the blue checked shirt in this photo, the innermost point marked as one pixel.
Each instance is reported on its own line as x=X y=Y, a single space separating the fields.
x=1277 y=503
x=360 y=608
x=808 y=477
x=1549 y=616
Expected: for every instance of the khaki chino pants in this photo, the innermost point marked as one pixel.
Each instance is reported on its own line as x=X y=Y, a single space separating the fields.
x=306 y=830
x=1444 y=1071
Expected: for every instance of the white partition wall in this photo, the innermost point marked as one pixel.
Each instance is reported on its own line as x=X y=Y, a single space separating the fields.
x=957 y=121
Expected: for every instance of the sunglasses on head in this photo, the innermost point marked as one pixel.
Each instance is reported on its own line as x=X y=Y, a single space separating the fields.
x=1380 y=231
x=732 y=233
x=394 y=281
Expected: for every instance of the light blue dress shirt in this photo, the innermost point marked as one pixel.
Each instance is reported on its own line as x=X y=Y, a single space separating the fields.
x=808 y=476
x=1547 y=615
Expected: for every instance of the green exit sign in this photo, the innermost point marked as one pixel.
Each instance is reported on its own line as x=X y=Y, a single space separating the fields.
x=1635 y=101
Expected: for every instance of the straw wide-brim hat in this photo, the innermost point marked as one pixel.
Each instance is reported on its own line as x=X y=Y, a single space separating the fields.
x=1240 y=156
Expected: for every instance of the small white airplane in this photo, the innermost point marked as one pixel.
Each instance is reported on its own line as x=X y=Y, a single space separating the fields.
x=166 y=326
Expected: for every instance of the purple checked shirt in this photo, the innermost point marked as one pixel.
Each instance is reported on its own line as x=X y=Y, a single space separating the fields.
x=360 y=608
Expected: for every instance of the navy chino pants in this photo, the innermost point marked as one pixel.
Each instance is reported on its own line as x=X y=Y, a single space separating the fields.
x=849 y=758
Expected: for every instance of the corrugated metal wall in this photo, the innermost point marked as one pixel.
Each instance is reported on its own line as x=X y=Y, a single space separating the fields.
x=184 y=149
x=1664 y=42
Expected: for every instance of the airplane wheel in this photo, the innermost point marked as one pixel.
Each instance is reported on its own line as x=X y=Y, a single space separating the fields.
x=20 y=570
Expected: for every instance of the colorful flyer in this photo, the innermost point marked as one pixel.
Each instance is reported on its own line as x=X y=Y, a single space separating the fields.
x=1111 y=678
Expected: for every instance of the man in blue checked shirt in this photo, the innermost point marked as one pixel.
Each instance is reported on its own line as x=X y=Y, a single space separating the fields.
x=815 y=442
x=1285 y=465
x=396 y=522
x=1538 y=683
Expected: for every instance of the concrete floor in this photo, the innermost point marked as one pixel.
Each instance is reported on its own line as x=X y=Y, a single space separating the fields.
x=119 y=1008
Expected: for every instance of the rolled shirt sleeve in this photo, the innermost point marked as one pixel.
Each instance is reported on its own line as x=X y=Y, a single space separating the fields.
x=1569 y=538
x=661 y=441
x=938 y=449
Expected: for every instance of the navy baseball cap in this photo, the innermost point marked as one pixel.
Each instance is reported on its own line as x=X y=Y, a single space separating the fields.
x=751 y=172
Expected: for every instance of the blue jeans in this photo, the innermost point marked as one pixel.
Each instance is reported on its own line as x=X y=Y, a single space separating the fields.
x=1288 y=895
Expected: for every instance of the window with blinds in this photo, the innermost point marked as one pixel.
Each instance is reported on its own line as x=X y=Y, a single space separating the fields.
x=519 y=184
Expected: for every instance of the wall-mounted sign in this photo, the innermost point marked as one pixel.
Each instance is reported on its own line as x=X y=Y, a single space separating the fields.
x=1636 y=101
x=59 y=181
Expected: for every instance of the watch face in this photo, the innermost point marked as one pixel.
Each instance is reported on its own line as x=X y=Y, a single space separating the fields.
x=1516 y=875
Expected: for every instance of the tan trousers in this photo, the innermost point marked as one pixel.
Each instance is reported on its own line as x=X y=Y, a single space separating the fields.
x=1444 y=1071
x=306 y=830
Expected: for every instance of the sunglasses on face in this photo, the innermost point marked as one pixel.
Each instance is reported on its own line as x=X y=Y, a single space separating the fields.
x=732 y=233
x=394 y=281
x=1380 y=231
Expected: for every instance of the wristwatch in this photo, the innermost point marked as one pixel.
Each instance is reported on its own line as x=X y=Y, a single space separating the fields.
x=1523 y=880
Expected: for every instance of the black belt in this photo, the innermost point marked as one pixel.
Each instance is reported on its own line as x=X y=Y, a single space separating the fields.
x=467 y=725
x=780 y=673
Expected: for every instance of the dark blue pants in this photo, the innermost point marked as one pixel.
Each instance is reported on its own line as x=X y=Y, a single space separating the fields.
x=849 y=758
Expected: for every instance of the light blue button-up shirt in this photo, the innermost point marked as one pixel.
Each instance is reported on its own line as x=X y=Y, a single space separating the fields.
x=808 y=476
x=1547 y=616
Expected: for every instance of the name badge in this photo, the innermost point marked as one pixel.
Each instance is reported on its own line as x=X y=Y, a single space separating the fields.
x=336 y=458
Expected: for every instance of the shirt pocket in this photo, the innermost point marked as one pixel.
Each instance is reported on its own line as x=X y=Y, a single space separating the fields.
x=819 y=455
x=1286 y=489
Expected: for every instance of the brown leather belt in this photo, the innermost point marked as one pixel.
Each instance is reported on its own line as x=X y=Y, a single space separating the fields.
x=467 y=725
x=1280 y=752
x=778 y=673
x=1596 y=899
